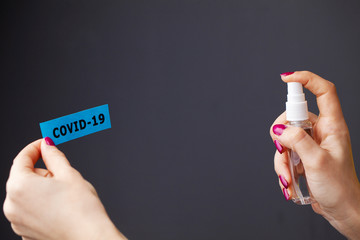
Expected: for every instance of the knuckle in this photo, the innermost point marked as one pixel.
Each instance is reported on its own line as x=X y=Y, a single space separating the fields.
x=6 y=208
x=73 y=174
x=331 y=87
x=15 y=188
x=331 y=84
x=309 y=76
x=276 y=162
x=316 y=208
x=62 y=154
x=91 y=187
x=308 y=73
x=270 y=130
x=10 y=211
x=16 y=229
x=8 y=185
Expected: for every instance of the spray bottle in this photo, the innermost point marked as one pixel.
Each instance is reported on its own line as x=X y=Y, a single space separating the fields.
x=297 y=115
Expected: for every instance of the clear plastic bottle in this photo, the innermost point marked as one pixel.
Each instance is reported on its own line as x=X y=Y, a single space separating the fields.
x=297 y=115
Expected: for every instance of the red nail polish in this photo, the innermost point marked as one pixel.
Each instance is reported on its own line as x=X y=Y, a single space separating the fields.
x=278 y=146
x=283 y=181
x=286 y=74
x=49 y=141
x=286 y=194
x=278 y=129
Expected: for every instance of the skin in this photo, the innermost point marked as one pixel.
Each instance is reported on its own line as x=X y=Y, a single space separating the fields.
x=58 y=203
x=53 y=203
x=327 y=159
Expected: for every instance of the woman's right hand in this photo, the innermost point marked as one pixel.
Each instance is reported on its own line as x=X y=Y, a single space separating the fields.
x=53 y=203
x=327 y=158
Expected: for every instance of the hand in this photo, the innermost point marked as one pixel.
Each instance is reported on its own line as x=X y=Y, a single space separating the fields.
x=327 y=159
x=53 y=203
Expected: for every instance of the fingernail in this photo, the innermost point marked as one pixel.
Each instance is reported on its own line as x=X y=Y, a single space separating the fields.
x=286 y=74
x=286 y=194
x=278 y=146
x=49 y=141
x=278 y=129
x=283 y=181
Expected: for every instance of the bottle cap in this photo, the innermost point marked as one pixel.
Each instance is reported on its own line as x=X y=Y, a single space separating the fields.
x=296 y=105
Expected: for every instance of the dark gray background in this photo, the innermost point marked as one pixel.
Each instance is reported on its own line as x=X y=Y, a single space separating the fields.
x=193 y=87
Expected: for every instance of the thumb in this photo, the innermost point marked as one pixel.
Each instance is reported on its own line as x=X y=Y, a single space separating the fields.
x=296 y=139
x=55 y=160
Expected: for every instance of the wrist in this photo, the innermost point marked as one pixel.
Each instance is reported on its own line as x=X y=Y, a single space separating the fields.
x=109 y=231
x=113 y=234
x=99 y=229
x=349 y=223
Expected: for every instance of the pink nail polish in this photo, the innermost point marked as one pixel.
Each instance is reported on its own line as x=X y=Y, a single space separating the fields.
x=49 y=141
x=278 y=129
x=286 y=194
x=283 y=181
x=278 y=146
x=286 y=74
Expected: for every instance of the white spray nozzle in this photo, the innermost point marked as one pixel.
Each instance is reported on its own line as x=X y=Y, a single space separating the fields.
x=295 y=88
x=296 y=105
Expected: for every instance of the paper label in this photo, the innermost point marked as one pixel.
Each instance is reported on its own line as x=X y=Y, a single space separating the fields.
x=77 y=125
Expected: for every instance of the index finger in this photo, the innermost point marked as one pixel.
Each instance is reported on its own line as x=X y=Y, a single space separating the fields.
x=282 y=120
x=26 y=159
x=325 y=92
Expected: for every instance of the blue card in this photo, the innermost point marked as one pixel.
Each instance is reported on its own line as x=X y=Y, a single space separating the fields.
x=77 y=125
